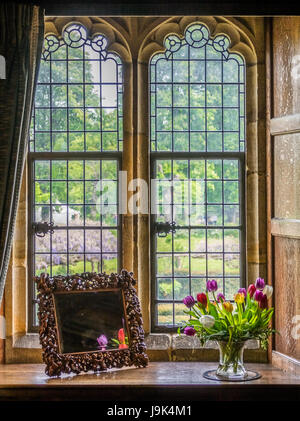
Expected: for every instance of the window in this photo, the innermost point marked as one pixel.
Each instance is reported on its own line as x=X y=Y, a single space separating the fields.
x=74 y=159
x=204 y=158
x=197 y=125
x=194 y=84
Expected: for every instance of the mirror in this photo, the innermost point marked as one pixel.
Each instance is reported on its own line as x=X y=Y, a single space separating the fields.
x=91 y=321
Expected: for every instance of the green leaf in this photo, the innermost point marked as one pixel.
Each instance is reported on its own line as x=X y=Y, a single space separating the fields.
x=212 y=310
x=195 y=321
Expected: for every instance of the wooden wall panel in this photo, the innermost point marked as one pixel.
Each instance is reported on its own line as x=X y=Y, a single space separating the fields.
x=287 y=297
x=286 y=49
x=285 y=186
x=287 y=176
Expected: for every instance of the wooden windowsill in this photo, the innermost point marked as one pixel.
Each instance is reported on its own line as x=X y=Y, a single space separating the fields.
x=159 y=381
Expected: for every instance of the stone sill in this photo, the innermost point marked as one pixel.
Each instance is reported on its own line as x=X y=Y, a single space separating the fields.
x=154 y=342
x=29 y=341
x=173 y=341
x=161 y=347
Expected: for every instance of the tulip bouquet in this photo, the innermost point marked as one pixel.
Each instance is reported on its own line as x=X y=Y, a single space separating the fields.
x=212 y=317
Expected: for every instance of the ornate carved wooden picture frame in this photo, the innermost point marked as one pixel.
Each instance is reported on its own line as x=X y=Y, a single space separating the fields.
x=59 y=353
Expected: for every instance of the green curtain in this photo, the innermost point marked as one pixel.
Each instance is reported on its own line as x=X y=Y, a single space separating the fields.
x=21 y=40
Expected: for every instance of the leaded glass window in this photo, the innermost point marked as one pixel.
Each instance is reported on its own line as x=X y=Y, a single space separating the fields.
x=197 y=131
x=78 y=102
x=76 y=141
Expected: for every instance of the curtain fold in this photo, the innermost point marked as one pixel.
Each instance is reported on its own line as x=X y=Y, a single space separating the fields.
x=21 y=40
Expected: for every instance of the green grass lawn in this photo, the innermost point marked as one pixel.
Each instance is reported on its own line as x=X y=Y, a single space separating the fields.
x=197 y=265
x=108 y=267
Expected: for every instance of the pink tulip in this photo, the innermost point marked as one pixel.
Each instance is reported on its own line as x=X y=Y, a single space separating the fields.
x=251 y=290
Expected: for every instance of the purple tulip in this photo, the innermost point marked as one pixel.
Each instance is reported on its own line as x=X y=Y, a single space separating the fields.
x=102 y=341
x=211 y=285
x=263 y=302
x=260 y=283
x=189 y=301
x=258 y=296
x=220 y=297
x=189 y=331
x=243 y=291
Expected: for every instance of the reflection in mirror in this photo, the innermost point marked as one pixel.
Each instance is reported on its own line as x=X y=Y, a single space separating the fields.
x=91 y=321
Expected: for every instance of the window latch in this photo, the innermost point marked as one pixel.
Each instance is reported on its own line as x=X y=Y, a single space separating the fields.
x=164 y=228
x=42 y=228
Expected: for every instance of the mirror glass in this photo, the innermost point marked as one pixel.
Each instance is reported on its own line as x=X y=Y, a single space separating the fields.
x=91 y=321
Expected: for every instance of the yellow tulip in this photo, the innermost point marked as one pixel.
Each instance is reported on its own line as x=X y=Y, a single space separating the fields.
x=228 y=306
x=239 y=298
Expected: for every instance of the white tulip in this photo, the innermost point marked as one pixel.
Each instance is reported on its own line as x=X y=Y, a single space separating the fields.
x=268 y=291
x=207 y=321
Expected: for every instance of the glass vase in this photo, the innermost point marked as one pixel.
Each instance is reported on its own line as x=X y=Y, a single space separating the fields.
x=231 y=365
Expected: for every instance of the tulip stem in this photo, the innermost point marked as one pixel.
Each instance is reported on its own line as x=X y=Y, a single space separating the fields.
x=230 y=357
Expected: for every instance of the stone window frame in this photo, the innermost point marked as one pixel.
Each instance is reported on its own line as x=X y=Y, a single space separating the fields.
x=135 y=40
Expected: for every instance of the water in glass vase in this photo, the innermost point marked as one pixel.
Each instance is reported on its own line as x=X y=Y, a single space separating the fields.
x=231 y=365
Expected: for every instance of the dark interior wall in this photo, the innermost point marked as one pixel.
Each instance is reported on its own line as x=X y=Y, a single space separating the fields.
x=2 y=344
x=166 y=8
